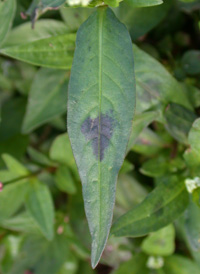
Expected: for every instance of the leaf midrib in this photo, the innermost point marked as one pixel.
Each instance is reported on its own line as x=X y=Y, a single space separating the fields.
x=100 y=48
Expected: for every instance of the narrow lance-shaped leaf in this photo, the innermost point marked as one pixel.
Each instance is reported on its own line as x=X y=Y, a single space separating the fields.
x=100 y=112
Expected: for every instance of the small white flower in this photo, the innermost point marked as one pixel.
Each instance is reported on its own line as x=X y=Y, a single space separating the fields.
x=155 y=262
x=192 y=184
x=83 y=3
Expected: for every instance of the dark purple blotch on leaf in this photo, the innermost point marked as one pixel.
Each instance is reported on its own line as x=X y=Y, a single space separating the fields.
x=100 y=132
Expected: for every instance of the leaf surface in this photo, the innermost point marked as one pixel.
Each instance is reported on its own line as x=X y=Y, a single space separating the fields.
x=163 y=205
x=7 y=12
x=54 y=52
x=47 y=98
x=40 y=206
x=100 y=111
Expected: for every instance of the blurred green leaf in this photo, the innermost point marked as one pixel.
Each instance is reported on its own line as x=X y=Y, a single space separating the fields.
x=7 y=12
x=191 y=62
x=177 y=264
x=47 y=98
x=179 y=121
x=143 y=3
x=162 y=206
x=12 y=197
x=155 y=84
x=140 y=121
x=15 y=166
x=39 y=204
x=55 y=52
x=64 y=180
x=192 y=226
x=49 y=256
x=160 y=243
x=75 y=17
x=141 y=20
x=61 y=152
x=39 y=157
x=44 y=28
x=194 y=136
x=136 y=265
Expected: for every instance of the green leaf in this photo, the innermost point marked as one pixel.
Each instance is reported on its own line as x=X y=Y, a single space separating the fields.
x=140 y=121
x=141 y=20
x=75 y=17
x=143 y=3
x=49 y=256
x=191 y=62
x=177 y=264
x=136 y=265
x=7 y=12
x=39 y=157
x=102 y=74
x=155 y=84
x=12 y=197
x=194 y=136
x=179 y=121
x=192 y=226
x=40 y=206
x=61 y=152
x=47 y=98
x=64 y=180
x=162 y=206
x=54 y=52
x=160 y=243
x=14 y=166
x=43 y=29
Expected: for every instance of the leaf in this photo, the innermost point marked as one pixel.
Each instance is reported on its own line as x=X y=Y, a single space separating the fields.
x=140 y=121
x=177 y=264
x=14 y=166
x=191 y=62
x=39 y=157
x=192 y=226
x=47 y=98
x=179 y=121
x=12 y=197
x=7 y=12
x=162 y=206
x=143 y=3
x=54 y=52
x=44 y=28
x=102 y=74
x=160 y=243
x=61 y=152
x=136 y=265
x=49 y=256
x=75 y=17
x=40 y=206
x=141 y=20
x=64 y=180
x=155 y=85
x=194 y=136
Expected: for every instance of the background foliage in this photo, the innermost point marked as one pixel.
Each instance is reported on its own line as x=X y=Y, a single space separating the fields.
x=43 y=228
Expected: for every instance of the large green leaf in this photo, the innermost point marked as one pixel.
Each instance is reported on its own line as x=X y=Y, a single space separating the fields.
x=7 y=12
x=40 y=206
x=55 y=52
x=43 y=29
x=100 y=112
x=47 y=98
x=163 y=205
